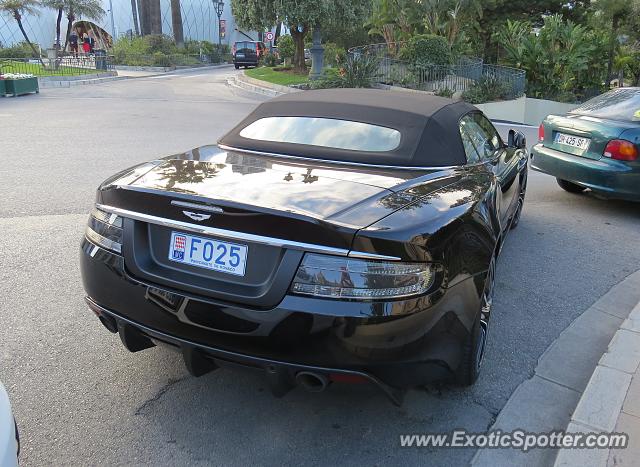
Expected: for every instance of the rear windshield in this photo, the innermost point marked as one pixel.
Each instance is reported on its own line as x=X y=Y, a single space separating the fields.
x=620 y=104
x=246 y=45
x=326 y=132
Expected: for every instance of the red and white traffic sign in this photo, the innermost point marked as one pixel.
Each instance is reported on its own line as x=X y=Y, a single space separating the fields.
x=268 y=36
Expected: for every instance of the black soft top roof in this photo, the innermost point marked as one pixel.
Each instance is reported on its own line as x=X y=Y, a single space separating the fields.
x=428 y=125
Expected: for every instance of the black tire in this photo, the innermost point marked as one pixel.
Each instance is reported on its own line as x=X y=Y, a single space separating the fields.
x=237 y=67
x=474 y=347
x=521 y=196
x=570 y=187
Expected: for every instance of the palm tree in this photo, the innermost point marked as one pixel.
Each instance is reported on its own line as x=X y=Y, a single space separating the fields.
x=17 y=8
x=57 y=5
x=134 y=14
x=90 y=9
x=155 y=16
x=176 y=23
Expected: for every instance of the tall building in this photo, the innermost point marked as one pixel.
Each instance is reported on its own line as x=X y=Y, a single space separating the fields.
x=199 y=21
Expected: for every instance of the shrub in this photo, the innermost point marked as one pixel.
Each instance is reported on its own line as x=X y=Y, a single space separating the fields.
x=426 y=49
x=19 y=50
x=160 y=59
x=286 y=46
x=333 y=55
x=358 y=71
x=444 y=92
x=330 y=78
x=562 y=60
x=487 y=89
x=269 y=59
x=161 y=43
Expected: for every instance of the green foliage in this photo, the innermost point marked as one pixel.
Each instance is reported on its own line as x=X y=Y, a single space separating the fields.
x=345 y=36
x=19 y=50
x=426 y=49
x=286 y=47
x=563 y=61
x=627 y=64
x=263 y=14
x=358 y=72
x=160 y=43
x=334 y=55
x=444 y=92
x=277 y=75
x=487 y=89
x=212 y=51
x=161 y=50
x=270 y=60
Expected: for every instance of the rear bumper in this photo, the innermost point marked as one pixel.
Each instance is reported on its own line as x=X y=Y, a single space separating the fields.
x=245 y=61
x=611 y=178
x=393 y=344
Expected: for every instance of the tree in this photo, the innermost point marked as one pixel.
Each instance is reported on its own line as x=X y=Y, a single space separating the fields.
x=286 y=47
x=300 y=16
x=150 y=17
x=613 y=12
x=176 y=23
x=155 y=16
x=496 y=12
x=57 y=5
x=90 y=9
x=134 y=15
x=17 y=8
x=563 y=60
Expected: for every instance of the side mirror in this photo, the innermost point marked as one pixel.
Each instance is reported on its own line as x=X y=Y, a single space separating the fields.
x=516 y=140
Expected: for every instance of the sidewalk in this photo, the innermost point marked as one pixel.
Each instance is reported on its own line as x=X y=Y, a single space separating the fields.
x=611 y=401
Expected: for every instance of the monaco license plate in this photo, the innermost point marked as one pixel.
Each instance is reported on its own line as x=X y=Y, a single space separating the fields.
x=208 y=253
x=573 y=141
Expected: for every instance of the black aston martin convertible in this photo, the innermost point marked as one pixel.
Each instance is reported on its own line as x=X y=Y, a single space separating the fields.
x=332 y=236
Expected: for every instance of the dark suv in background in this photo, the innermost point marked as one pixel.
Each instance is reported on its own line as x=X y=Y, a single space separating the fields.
x=247 y=53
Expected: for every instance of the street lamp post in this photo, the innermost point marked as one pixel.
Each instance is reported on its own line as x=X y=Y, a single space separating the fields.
x=219 y=5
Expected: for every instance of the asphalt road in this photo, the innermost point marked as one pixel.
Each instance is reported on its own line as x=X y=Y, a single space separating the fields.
x=81 y=399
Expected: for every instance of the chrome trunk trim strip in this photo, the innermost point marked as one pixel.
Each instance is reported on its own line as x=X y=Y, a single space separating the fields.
x=242 y=236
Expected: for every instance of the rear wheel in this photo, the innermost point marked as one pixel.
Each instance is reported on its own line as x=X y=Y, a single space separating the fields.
x=570 y=187
x=237 y=66
x=474 y=347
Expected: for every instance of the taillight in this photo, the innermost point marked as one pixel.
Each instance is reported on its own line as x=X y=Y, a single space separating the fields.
x=621 y=150
x=233 y=49
x=541 y=133
x=357 y=279
x=105 y=230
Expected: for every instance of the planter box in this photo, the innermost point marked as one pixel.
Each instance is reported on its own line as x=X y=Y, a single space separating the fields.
x=21 y=86
x=3 y=89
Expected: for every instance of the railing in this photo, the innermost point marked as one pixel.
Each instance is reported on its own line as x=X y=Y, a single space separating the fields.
x=170 y=60
x=67 y=65
x=463 y=75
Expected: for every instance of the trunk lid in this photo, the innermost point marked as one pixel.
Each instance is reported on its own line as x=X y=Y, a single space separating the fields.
x=599 y=131
x=276 y=209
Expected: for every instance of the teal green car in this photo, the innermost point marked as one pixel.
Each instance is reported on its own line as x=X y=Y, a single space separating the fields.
x=596 y=146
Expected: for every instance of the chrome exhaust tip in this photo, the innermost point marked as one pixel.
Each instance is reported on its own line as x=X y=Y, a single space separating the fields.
x=312 y=382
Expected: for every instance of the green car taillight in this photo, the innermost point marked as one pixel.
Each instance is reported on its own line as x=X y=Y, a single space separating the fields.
x=105 y=230
x=346 y=278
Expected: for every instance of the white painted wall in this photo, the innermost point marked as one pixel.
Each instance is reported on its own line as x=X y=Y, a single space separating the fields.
x=525 y=110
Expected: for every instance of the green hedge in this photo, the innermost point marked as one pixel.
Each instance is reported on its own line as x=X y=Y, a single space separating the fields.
x=426 y=49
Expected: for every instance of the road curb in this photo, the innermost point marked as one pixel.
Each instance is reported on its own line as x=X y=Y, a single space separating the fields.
x=601 y=403
x=246 y=83
x=549 y=399
x=78 y=82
